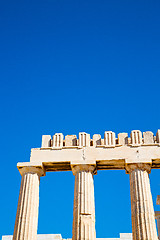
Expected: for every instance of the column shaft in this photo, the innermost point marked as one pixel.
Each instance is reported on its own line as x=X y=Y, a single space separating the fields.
x=143 y=218
x=158 y=226
x=27 y=211
x=157 y=216
x=84 y=208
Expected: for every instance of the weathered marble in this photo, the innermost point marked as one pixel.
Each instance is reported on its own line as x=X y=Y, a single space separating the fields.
x=57 y=140
x=157 y=216
x=158 y=136
x=28 y=203
x=70 y=140
x=123 y=139
x=46 y=141
x=143 y=218
x=136 y=137
x=123 y=236
x=148 y=137
x=96 y=140
x=109 y=139
x=84 y=156
x=84 y=139
x=84 y=207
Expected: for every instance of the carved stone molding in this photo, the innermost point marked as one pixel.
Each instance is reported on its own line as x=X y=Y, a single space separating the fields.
x=140 y=166
x=83 y=167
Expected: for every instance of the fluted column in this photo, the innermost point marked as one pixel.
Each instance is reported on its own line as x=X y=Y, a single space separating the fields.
x=157 y=216
x=28 y=203
x=84 y=206
x=143 y=217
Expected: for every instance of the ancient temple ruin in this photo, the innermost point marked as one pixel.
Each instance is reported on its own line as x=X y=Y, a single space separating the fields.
x=84 y=156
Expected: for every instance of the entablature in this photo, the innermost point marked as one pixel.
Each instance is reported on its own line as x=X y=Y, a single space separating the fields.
x=59 y=154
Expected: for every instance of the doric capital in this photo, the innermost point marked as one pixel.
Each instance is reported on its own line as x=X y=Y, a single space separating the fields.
x=83 y=167
x=141 y=166
x=30 y=168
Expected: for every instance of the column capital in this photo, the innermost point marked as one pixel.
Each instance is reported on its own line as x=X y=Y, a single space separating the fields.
x=27 y=167
x=83 y=167
x=141 y=166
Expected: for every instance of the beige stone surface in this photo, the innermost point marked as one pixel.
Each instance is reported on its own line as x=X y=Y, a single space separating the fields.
x=143 y=218
x=84 y=206
x=71 y=140
x=158 y=136
x=96 y=140
x=58 y=140
x=39 y=237
x=123 y=139
x=148 y=137
x=123 y=236
x=84 y=139
x=105 y=158
x=126 y=236
x=136 y=137
x=109 y=139
x=28 y=203
x=46 y=141
x=28 y=167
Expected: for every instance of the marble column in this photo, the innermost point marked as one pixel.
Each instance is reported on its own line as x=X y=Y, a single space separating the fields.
x=157 y=216
x=143 y=217
x=28 y=204
x=84 y=206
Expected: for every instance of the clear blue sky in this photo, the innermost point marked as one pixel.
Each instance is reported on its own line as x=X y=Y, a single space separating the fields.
x=71 y=66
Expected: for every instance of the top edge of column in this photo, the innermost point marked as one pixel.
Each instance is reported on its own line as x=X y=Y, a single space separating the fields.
x=28 y=167
x=84 y=167
x=141 y=166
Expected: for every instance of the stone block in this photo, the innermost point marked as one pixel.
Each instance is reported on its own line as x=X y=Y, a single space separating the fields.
x=157 y=214
x=96 y=140
x=39 y=237
x=109 y=139
x=158 y=200
x=71 y=140
x=84 y=139
x=46 y=141
x=136 y=137
x=123 y=236
x=9 y=237
x=49 y=237
x=58 y=140
x=129 y=140
x=126 y=236
x=158 y=136
x=102 y=141
x=148 y=137
x=123 y=139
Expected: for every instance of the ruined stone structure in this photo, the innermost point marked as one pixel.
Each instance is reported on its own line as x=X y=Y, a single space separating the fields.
x=84 y=156
x=123 y=236
x=157 y=216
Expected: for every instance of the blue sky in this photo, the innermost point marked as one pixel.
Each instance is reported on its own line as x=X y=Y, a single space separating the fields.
x=71 y=66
